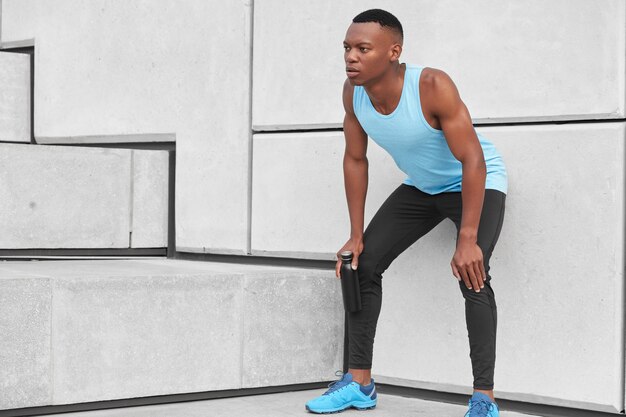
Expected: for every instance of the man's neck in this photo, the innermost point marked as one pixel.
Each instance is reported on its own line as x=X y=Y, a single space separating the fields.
x=385 y=92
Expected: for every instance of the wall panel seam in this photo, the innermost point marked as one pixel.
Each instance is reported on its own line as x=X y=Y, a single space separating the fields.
x=53 y=284
x=621 y=81
x=250 y=131
x=242 y=327
x=131 y=207
x=265 y=129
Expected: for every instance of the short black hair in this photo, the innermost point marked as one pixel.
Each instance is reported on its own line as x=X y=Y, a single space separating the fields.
x=382 y=17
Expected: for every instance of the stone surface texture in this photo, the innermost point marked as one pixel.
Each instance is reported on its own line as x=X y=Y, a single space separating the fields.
x=57 y=197
x=25 y=326
x=293 y=326
x=135 y=336
x=299 y=204
x=14 y=97
x=82 y=197
x=150 y=198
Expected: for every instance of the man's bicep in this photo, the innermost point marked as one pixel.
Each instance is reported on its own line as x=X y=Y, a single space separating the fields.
x=460 y=134
x=455 y=120
x=356 y=138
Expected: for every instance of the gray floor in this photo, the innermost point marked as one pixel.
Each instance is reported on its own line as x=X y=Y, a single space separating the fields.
x=285 y=404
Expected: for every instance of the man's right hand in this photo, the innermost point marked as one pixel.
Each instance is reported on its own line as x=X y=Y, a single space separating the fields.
x=354 y=245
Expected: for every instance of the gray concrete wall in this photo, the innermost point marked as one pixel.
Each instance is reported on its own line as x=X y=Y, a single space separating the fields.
x=183 y=70
x=111 y=68
x=298 y=204
x=511 y=60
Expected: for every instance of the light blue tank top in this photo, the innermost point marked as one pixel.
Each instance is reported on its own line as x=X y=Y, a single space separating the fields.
x=419 y=150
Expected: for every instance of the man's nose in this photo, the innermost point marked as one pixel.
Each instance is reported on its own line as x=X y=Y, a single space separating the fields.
x=350 y=57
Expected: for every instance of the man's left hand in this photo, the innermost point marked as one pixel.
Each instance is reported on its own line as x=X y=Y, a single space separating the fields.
x=467 y=265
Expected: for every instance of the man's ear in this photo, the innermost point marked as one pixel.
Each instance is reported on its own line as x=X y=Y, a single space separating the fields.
x=395 y=52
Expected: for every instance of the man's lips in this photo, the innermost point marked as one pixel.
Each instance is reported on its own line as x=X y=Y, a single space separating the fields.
x=351 y=72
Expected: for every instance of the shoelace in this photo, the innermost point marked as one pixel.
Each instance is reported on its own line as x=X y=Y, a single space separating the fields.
x=333 y=386
x=479 y=408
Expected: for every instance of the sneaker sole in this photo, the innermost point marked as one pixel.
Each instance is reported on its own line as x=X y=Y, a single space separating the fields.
x=339 y=410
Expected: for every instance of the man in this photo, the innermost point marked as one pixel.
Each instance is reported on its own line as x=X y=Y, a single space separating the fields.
x=416 y=114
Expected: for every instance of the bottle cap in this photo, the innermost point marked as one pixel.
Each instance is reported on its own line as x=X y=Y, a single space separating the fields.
x=346 y=255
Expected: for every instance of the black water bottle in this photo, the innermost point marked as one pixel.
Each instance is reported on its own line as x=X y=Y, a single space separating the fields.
x=349 y=283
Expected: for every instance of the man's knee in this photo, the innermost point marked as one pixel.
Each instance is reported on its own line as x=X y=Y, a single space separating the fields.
x=485 y=296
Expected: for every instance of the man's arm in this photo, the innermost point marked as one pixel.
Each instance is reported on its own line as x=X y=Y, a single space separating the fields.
x=355 y=173
x=456 y=123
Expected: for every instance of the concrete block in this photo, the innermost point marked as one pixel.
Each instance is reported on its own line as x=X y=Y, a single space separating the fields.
x=293 y=328
x=557 y=271
x=150 y=198
x=182 y=67
x=14 y=97
x=135 y=336
x=25 y=365
x=511 y=61
x=97 y=330
x=58 y=197
x=299 y=205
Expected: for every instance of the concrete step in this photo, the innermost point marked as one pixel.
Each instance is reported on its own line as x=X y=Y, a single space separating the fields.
x=91 y=330
x=82 y=197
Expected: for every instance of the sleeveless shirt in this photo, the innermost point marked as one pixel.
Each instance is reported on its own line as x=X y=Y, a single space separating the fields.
x=418 y=149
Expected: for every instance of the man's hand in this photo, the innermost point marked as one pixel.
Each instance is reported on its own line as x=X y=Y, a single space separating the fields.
x=355 y=245
x=467 y=265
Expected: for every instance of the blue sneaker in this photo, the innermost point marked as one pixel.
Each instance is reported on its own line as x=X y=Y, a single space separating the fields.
x=343 y=394
x=480 y=405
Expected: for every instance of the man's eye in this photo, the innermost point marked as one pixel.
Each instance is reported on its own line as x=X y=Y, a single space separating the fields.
x=364 y=49
x=345 y=48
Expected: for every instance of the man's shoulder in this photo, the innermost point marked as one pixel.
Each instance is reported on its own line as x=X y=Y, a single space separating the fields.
x=435 y=77
x=347 y=86
x=434 y=81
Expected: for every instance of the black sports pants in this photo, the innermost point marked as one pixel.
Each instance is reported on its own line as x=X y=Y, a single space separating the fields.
x=402 y=219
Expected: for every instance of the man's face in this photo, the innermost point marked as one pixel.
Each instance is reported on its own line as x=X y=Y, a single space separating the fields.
x=369 y=51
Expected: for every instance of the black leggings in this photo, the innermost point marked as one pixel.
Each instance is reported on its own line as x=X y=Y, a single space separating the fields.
x=402 y=219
